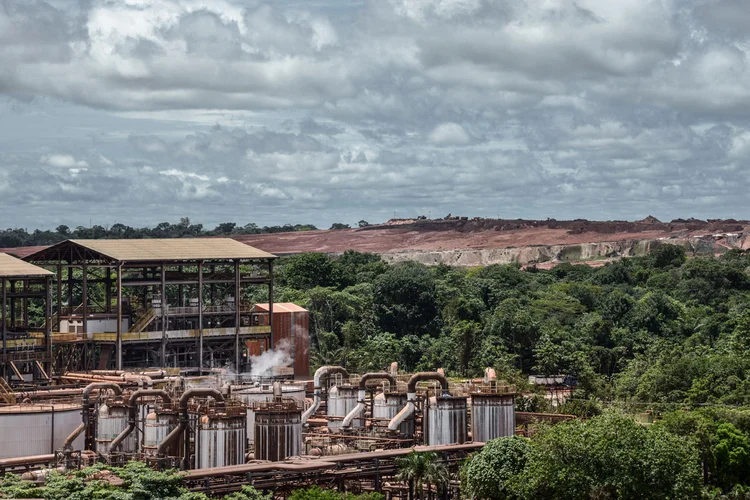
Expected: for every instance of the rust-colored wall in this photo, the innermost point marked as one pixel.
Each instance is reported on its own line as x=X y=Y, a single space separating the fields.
x=291 y=331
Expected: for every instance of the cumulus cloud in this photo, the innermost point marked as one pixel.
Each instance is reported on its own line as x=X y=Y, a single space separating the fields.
x=290 y=111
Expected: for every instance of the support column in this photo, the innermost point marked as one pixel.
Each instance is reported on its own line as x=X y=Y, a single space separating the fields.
x=70 y=288
x=200 y=316
x=270 y=302
x=48 y=324
x=12 y=304
x=108 y=289
x=119 y=316
x=163 y=315
x=237 y=316
x=85 y=300
x=5 y=327
x=59 y=295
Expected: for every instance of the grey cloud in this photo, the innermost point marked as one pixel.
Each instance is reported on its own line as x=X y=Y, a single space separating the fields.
x=563 y=109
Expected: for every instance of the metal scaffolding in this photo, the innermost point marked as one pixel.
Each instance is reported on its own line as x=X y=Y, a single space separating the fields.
x=24 y=305
x=176 y=302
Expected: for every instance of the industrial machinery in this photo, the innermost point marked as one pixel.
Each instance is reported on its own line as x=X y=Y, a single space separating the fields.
x=277 y=428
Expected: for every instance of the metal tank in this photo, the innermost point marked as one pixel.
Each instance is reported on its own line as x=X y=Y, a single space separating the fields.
x=386 y=406
x=111 y=420
x=492 y=416
x=262 y=394
x=37 y=429
x=156 y=426
x=278 y=430
x=222 y=438
x=445 y=421
x=341 y=400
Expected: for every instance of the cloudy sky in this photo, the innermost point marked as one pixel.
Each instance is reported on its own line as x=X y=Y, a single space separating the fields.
x=139 y=111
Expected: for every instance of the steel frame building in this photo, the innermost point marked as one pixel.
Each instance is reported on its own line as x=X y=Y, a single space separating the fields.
x=26 y=347
x=155 y=302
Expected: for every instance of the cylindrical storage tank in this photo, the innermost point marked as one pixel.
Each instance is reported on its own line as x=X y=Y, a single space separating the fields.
x=263 y=394
x=445 y=421
x=492 y=416
x=111 y=420
x=28 y=430
x=221 y=440
x=386 y=406
x=156 y=427
x=341 y=400
x=278 y=431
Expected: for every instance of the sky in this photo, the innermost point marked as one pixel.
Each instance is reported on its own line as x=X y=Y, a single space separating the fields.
x=322 y=111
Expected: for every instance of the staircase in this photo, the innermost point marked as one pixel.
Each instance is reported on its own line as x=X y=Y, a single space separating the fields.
x=143 y=322
x=6 y=392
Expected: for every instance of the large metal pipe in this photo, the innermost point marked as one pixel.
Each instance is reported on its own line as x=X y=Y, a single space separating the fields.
x=183 y=423
x=133 y=412
x=362 y=394
x=86 y=409
x=411 y=396
x=321 y=373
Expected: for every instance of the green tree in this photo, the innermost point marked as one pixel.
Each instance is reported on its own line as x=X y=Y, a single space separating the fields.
x=494 y=472
x=418 y=469
x=610 y=456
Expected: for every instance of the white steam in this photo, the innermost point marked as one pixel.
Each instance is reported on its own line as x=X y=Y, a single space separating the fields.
x=262 y=366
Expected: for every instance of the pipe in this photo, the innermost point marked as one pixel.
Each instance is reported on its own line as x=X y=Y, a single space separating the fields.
x=86 y=410
x=320 y=374
x=53 y=393
x=411 y=396
x=394 y=368
x=183 y=424
x=489 y=375
x=277 y=391
x=362 y=394
x=133 y=412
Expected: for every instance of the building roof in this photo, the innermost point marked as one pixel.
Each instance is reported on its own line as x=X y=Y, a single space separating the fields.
x=163 y=250
x=281 y=307
x=11 y=267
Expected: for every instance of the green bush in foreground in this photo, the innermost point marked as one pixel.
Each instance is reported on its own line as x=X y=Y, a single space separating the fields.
x=607 y=457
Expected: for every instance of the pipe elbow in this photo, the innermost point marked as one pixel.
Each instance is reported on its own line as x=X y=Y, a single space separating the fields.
x=422 y=376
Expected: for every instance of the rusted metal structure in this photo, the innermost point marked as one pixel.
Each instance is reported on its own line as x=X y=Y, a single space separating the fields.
x=351 y=472
x=492 y=416
x=291 y=331
x=155 y=302
x=278 y=430
x=221 y=437
x=445 y=421
x=26 y=340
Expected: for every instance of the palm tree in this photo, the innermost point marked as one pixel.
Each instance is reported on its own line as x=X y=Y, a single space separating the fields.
x=436 y=473
x=419 y=468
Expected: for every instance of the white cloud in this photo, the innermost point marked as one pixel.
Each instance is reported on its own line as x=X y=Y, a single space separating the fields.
x=449 y=134
x=63 y=161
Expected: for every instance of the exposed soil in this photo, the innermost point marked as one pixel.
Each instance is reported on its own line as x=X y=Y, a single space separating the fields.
x=440 y=235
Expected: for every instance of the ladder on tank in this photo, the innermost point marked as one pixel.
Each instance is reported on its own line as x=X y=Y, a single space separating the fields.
x=6 y=392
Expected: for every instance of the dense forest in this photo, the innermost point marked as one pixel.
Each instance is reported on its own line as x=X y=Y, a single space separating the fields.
x=10 y=238
x=660 y=332
x=664 y=333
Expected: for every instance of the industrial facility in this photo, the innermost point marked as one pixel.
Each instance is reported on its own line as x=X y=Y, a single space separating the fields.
x=120 y=350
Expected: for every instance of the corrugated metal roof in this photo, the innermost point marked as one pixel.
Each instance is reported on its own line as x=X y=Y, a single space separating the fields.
x=174 y=249
x=11 y=267
x=281 y=307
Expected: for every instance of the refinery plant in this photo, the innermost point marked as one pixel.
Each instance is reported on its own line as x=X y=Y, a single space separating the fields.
x=153 y=351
